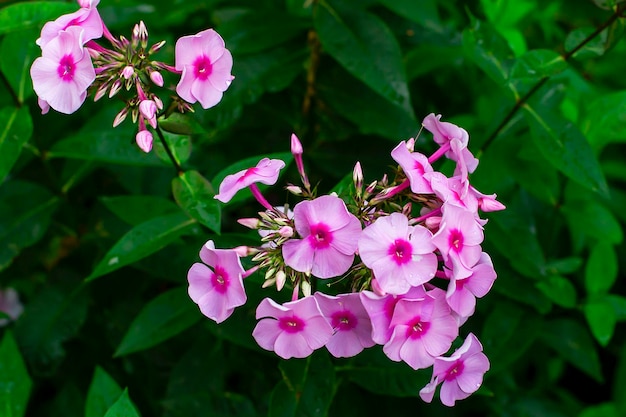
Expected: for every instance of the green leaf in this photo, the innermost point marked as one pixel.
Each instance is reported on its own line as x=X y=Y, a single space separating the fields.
x=619 y=306
x=25 y=212
x=591 y=218
x=423 y=12
x=604 y=119
x=559 y=289
x=143 y=240
x=600 y=410
x=601 y=268
x=18 y=51
x=601 y=318
x=537 y=64
x=32 y=14
x=123 y=407
x=594 y=48
x=179 y=145
x=564 y=265
x=574 y=344
x=15 y=384
x=181 y=124
x=16 y=129
x=136 y=209
x=364 y=46
x=163 y=317
x=103 y=393
x=307 y=388
x=562 y=144
x=194 y=194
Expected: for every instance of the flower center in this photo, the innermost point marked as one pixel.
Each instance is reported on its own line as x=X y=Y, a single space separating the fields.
x=417 y=328
x=321 y=236
x=66 y=68
x=220 y=280
x=249 y=172
x=419 y=168
x=292 y=324
x=454 y=371
x=343 y=320
x=456 y=240
x=202 y=67
x=401 y=250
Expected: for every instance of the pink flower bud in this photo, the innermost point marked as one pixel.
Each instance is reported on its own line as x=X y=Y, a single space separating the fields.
x=280 y=277
x=115 y=88
x=285 y=231
x=121 y=116
x=357 y=177
x=296 y=146
x=128 y=72
x=250 y=222
x=148 y=110
x=144 y=140
x=156 y=78
x=433 y=222
x=294 y=189
x=158 y=102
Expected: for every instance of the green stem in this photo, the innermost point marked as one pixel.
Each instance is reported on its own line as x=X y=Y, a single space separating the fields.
x=520 y=102
x=14 y=96
x=177 y=167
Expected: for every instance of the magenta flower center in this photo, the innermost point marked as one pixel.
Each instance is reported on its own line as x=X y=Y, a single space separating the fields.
x=202 y=67
x=401 y=251
x=455 y=240
x=343 y=320
x=66 y=68
x=321 y=236
x=292 y=324
x=418 y=167
x=417 y=328
x=454 y=371
x=220 y=280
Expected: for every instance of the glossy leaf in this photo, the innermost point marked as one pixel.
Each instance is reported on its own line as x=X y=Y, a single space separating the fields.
x=181 y=124
x=143 y=240
x=32 y=14
x=590 y=218
x=103 y=393
x=592 y=49
x=559 y=289
x=537 y=64
x=601 y=318
x=16 y=129
x=601 y=268
x=15 y=383
x=486 y=47
x=18 y=51
x=136 y=209
x=604 y=119
x=179 y=145
x=423 y=12
x=123 y=407
x=194 y=194
x=162 y=318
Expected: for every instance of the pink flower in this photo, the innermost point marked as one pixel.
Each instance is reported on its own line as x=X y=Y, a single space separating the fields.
x=462 y=293
x=10 y=305
x=292 y=330
x=218 y=291
x=144 y=140
x=401 y=256
x=148 y=110
x=206 y=66
x=329 y=238
x=265 y=172
x=444 y=134
x=350 y=322
x=414 y=165
x=461 y=374
x=422 y=330
x=86 y=17
x=63 y=73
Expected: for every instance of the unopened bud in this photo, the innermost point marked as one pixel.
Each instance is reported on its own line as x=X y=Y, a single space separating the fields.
x=410 y=144
x=243 y=251
x=115 y=88
x=294 y=189
x=357 y=177
x=144 y=140
x=121 y=116
x=101 y=92
x=370 y=188
x=489 y=203
x=156 y=78
x=268 y=282
x=306 y=288
x=158 y=102
x=281 y=277
x=432 y=222
x=154 y=48
x=250 y=222
x=148 y=110
x=270 y=273
x=143 y=34
x=285 y=231
x=296 y=146
x=128 y=72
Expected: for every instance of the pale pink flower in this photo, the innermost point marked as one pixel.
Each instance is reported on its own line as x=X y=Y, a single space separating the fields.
x=292 y=330
x=86 y=17
x=63 y=73
x=148 y=110
x=461 y=374
x=265 y=172
x=486 y=202
x=10 y=305
x=401 y=256
x=462 y=293
x=444 y=134
x=414 y=165
x=350 y=322
x=219 y=290
x=329 y=235
x=205 y=64
x=144 y=140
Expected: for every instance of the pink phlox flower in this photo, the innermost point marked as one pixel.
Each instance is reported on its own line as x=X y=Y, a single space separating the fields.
x=63 y=72
x=205 y=64
x=422 y=330
x=219 y=290
x=401 y=256
x=444 y=134
x=380 y=310
x=350 y=322
x=462 y=293
x=486 y=202
x=10 y=305
x=414 y=165
x=292 y=330
x=265 y=172
x=461 y=374
x=458 y=239
x=453 y=191
x=86 y=17
x=329 y=235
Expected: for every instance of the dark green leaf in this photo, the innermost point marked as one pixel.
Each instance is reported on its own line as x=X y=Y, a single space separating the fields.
x=32 y=14
x=18 y=51
x=604 y=119
x=123 y=407
x=601 y=410
x=489 y=50
x=103 y=393
x=593 y=48
x=143 y=240
x=16 y=128
x=601 y=318
x=573 y=342
x=181 y=124
x=559 y=289
x=179 y=145
x=591 y=218
x=601 y=268
x=423 y=12
x=163 y=317
x=194 y=194
x=364 y=46
x=15 y=383
x=537 y=64
x=564 y=265
x=619 y=306
x=136 y=209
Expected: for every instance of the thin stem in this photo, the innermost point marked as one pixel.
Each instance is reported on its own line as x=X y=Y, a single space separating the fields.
x=14 y=96
x=179 y=170
x=520 y=102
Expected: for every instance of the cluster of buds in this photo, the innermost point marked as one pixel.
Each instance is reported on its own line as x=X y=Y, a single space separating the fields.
x=406 y=253
x=73 y=65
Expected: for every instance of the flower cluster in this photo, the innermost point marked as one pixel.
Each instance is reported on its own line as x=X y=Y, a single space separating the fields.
x=406 y=251
x=73 y=65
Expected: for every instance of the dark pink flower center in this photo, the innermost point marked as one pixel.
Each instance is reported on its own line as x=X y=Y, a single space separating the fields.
x=401 y=251
x=455 y=240
x=292 y=324
x=454 y=371
x=66 y=68
x=202 y=67
x=249 y=172
x=343 y=320
x=417 y=328
x=321 y=236
x=418 y=167
x=220 y=280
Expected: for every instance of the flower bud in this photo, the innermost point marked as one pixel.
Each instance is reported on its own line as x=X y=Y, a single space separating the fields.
x=121 y=116
x=128 y=72
x=115 y=88
x=148 y=110
x=281 y=277
x=156 y=77
x=144 y=140
x=306 y=288
x=357 y=177
x=294 y=189
x=250 y=222
x=296 y=146
x=285 y=231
